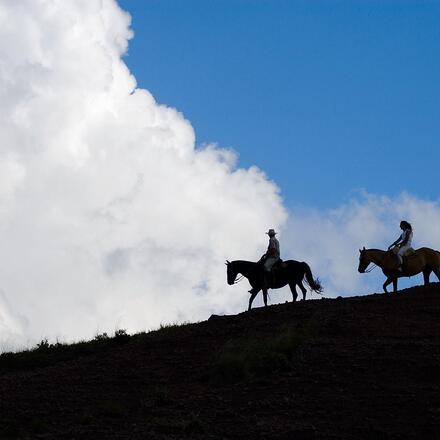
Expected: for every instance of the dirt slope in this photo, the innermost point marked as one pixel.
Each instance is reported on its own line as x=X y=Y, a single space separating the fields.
x=353 y=368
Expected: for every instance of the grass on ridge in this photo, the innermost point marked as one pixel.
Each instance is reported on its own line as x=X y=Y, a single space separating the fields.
x=244 y=358
x=45 y=353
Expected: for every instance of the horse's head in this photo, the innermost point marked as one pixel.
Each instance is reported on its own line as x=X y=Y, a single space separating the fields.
x=231 y=271
x=364 y=260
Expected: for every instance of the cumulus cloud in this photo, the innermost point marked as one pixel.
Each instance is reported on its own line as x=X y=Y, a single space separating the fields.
x=110 y=215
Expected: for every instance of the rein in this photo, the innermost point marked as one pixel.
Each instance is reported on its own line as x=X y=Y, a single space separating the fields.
x=371 y=268
x=239 y=279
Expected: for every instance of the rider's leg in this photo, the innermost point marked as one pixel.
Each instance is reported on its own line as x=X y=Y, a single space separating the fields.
x=266 y=279
x=400 y=258
x=401 y=253
x=268 y=264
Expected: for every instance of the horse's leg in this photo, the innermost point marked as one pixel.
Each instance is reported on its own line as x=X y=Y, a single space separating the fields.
x=293 y=290
x=426 y=274
x=251 y=299
x=437 y=273
x=387 y=282
x=395 y=285
x=303 y=289
x=265 y=297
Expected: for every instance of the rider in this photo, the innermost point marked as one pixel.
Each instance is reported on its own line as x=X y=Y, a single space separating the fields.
x=403 y=242
x=272 y=255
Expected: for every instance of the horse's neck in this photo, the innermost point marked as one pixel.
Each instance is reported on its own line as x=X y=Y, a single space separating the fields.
x=246 y=268
x=378 y=257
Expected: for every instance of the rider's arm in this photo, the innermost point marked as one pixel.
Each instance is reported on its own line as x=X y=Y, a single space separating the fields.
x=404 y=241
x=395 y=243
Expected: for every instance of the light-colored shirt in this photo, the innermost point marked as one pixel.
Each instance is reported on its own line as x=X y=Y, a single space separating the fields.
x=407 y=234
x=273 y=250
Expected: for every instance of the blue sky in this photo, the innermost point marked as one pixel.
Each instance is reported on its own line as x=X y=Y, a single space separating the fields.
x=327 y=97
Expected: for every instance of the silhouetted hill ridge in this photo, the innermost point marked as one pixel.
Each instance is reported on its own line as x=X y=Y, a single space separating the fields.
x=346 y=368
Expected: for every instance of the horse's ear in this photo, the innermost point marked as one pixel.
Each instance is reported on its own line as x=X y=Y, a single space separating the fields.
x=363 y=248
x=227 y=262
x=360 y=251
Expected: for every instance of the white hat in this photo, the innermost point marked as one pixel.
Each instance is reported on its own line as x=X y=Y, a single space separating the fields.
x=271 y=232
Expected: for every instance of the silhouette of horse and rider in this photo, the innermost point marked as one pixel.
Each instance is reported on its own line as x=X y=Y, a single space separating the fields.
x=400 y=260
x=273 y=273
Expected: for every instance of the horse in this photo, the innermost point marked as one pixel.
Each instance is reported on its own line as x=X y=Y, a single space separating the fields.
x=424 y=260
x=289 y=272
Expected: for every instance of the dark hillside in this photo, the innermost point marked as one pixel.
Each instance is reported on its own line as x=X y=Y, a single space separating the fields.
x=353 y=368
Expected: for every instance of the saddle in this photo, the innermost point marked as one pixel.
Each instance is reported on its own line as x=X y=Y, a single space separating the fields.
x=410 y=252
x=275 y=271
x=279 y=264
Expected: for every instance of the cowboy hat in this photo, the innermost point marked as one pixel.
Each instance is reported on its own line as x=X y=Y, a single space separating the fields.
x=271 y=232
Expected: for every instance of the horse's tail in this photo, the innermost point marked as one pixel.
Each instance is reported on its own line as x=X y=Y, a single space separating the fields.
x=314 y=284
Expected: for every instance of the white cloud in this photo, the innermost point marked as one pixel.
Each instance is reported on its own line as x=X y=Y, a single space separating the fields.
x=109 y=214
